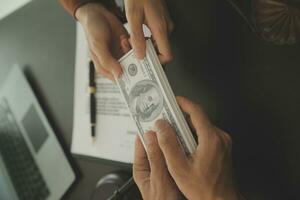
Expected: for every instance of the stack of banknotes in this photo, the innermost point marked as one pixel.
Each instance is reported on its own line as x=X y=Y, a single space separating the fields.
x=149 y=97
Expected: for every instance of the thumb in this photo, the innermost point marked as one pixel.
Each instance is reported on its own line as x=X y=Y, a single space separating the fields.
x=108 y=62
x=141 y=167
x=176 y=159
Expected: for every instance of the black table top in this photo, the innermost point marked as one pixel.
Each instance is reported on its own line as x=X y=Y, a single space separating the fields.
x=249 y=87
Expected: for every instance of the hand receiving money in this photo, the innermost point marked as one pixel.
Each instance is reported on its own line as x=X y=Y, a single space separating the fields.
x=206 y=174
x=106 y=36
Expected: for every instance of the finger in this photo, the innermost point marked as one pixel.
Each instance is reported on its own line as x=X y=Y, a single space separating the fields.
x=141 y=167
x=226 y=138
x=100 y=69
x=107 y=61
x=107 y=74
x=198 y=117
x=189 y=121
x=163 y=45
x=176 y=159
x=155 y=156
x=125 y=45
x=171 y=26
x=135 y=21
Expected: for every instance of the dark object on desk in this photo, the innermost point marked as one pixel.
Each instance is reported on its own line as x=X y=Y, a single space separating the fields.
x=118 y=185
x=92 y=90
x=276 y=21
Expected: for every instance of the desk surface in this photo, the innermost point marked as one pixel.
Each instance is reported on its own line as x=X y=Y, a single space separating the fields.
x=249 y=87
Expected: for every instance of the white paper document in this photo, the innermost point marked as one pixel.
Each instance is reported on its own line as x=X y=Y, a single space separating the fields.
x=9 y=6
x=115 y=130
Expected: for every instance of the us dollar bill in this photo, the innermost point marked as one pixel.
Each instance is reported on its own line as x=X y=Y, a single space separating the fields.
x=149 y=97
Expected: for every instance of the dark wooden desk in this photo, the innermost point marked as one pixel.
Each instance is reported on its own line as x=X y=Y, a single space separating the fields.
x=249 y=87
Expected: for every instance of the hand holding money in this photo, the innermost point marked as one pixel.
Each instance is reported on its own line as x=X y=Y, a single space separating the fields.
x=206 y=174
x=106 y=36
x=154 y=14
x=150 y=171
x=171 y=152
x=149 y=96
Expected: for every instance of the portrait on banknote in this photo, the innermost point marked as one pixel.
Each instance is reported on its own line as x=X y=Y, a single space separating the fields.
x=146 y=100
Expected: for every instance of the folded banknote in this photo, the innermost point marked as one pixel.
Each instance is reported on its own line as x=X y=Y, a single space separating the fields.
x=149 y=97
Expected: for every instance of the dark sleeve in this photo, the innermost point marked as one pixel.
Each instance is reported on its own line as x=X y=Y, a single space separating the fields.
x=72 y=5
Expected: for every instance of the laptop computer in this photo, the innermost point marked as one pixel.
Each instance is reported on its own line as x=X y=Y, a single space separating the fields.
x=33 y=165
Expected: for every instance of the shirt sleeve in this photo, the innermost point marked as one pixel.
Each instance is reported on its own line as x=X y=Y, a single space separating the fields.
x=72 y=5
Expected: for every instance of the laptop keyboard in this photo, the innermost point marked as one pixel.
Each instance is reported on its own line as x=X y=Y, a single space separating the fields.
x=18 y=160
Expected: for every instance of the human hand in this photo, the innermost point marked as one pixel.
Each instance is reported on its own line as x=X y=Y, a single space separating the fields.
x=207 y=173
x=154 y=14
x=106 y=36
x=150 y=172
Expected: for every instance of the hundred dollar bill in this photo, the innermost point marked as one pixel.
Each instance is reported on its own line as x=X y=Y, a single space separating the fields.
x=149 y=96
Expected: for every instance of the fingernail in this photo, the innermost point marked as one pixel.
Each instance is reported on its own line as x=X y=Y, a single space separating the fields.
x=113 y=80
x=148 y=137
x=158 y=124
x=117 y=73
x=139 y=54
x=127 y=44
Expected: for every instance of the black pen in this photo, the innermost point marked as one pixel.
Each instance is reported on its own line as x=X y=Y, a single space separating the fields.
x=123 y=190
x=93 y=108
